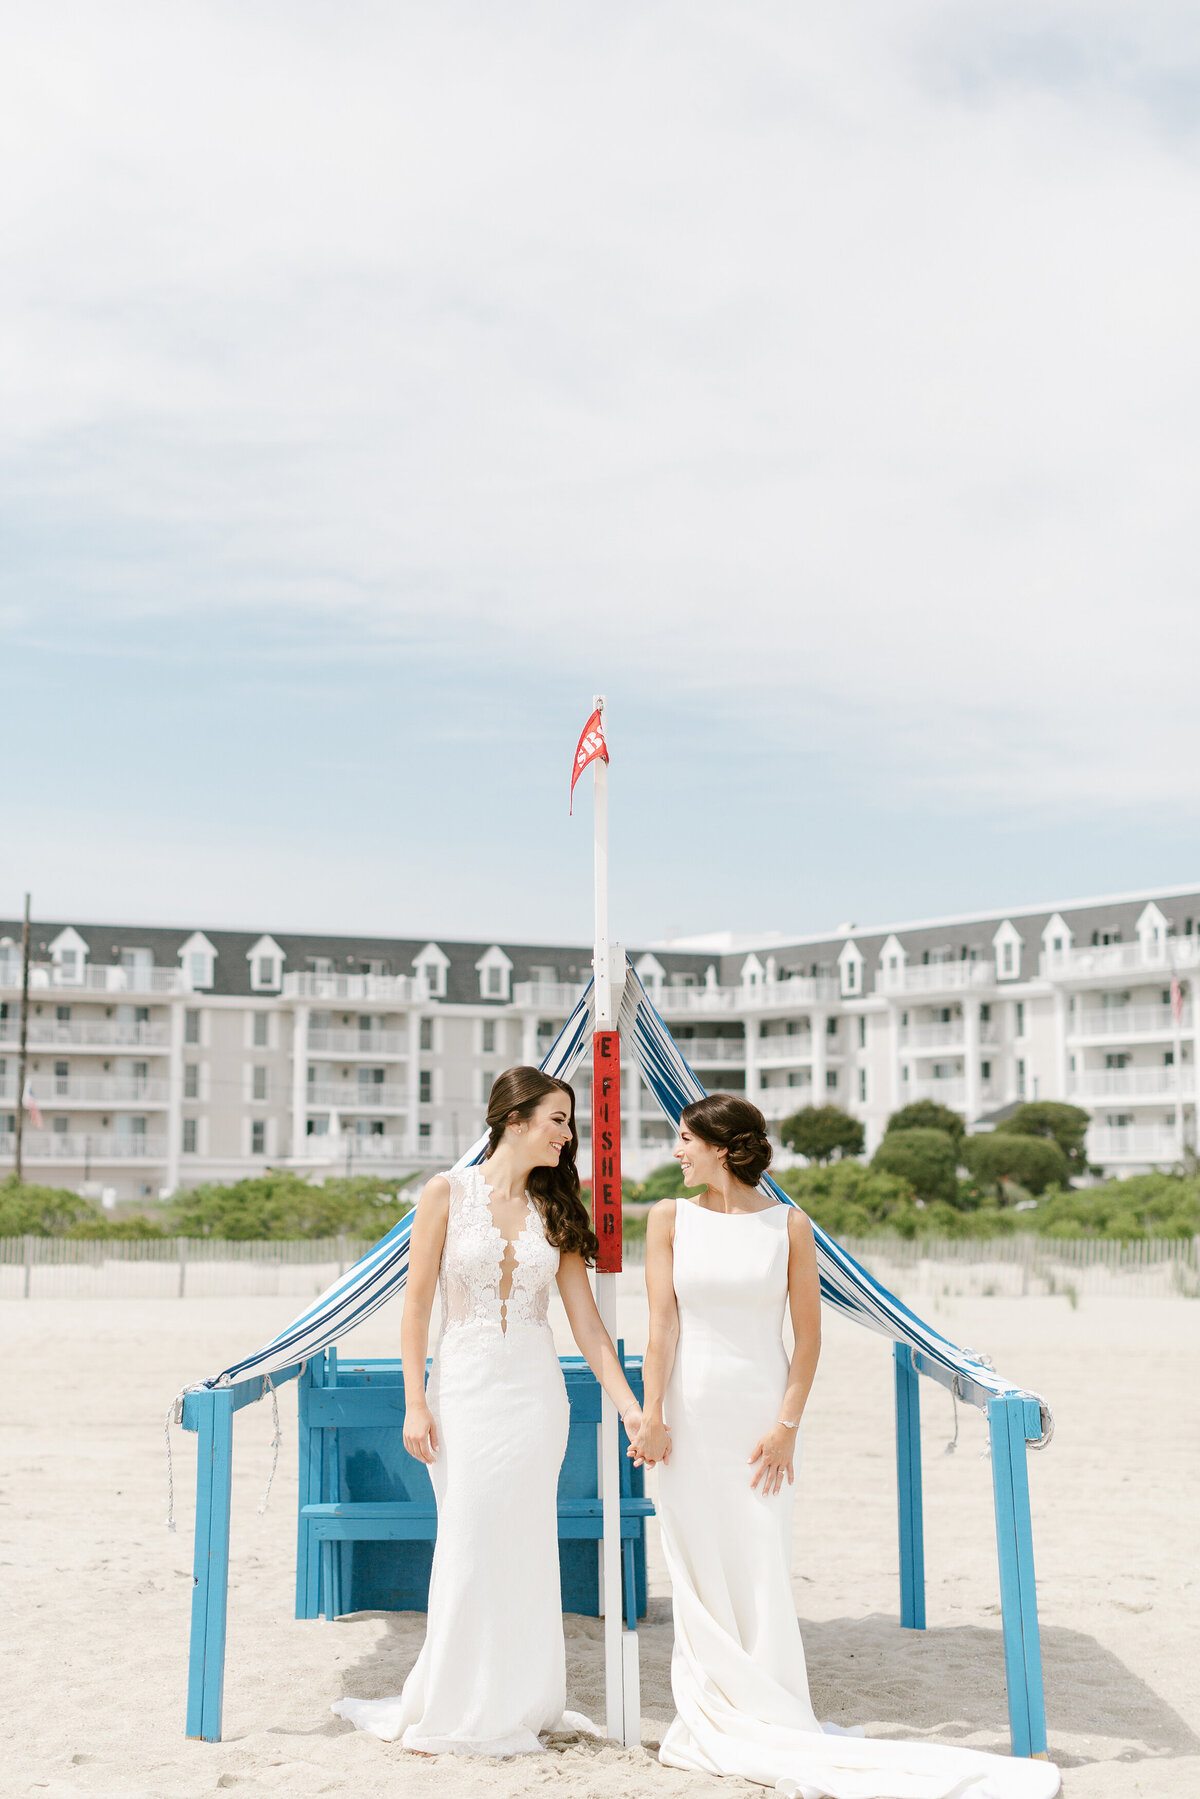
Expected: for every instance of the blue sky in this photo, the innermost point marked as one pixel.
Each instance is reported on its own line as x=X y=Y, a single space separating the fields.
x=381 y=382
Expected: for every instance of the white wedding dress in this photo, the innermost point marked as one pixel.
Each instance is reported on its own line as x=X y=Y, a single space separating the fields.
x=738 y=1673
x=492 y=1672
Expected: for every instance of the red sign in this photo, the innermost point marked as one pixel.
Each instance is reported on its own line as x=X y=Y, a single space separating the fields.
x=606 y=1148
x=591 y=745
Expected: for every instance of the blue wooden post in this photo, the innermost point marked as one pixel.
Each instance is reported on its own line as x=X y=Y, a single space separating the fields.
x=908 y=1489
x=210 y=1562
x=1011 y=1420
x=311 y=1442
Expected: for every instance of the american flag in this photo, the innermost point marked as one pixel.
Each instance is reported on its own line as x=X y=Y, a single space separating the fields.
x=31 y=1106
x=1176 y=998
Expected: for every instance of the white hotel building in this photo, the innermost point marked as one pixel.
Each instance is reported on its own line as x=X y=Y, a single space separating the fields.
x=161 y=1058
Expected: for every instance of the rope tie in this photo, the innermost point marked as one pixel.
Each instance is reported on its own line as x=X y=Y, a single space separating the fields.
x=275 y=1439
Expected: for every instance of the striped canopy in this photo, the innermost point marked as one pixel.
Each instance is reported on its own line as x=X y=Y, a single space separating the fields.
x=845 y=1284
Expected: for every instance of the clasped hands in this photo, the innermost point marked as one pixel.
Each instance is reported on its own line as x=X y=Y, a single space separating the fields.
x=649 y=1439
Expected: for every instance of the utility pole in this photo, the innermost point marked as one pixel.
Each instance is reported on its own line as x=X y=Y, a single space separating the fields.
x=23 y=1058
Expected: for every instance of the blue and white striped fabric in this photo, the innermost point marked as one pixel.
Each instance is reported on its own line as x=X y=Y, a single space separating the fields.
x=380 y=1275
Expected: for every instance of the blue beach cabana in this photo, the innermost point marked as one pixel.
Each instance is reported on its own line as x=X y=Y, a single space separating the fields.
x=1016 y=1418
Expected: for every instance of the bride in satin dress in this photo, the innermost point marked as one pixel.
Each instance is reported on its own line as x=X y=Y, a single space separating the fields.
x=722 y=1271
x=494 y=1240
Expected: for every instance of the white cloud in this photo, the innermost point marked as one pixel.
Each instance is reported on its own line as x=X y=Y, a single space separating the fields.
x=846 y=359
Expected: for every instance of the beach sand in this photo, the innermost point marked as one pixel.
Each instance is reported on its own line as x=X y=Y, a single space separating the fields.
x=96 y=1592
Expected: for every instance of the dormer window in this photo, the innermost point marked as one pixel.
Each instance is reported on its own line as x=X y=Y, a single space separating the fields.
x=1007 y=946
x=69 y=954
x=197 y=959
x=495 y=972
x=266 y=965
x=431 y=965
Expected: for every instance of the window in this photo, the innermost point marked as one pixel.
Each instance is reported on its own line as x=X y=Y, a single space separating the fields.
x=1006 y=958
x=139 y=1071
x=764 y=1080
x=796 y=1025
x=543 y=974
x=985 y=1070
x=139 y=961
x=322 y=964
x=944 y=1071
x=1021 y=1078
x=63 y=1014
x=378 y=969
x=266 y=971
x=1117 y=1059
x=191 y=1027
x=68 y=965
x=258 y=1137
x=485 y=1085
x=831 y=1026
x=1020 y=1018
x=796 y=1078
x=189 y=1136
x=547 y=1031
x=851 y=977
x=862 y=1033
x=1168 y=1058
x=259 y=1089
x=985 y=1014
x=198 y=973
x=1057 y=944
x=191 y=1080
x=369 y=1127
x=424 y=1130
x=61 y=1126
x=1119 y=1121
x=61 y=1072
x=370 y=1077
x=489 y=1036
x=425 y=1086
x=262 y=1022
x=862 y=1085
x=141 y=1015
x=495 y=982
x=831 y=1078
x=427 y=1033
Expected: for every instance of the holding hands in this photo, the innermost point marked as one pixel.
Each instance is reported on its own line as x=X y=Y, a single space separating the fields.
x=649 y=1438
x=773 y=1457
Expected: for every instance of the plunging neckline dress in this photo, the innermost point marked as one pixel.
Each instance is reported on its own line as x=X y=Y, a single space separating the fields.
x=738 y=1673
x=492 y=1672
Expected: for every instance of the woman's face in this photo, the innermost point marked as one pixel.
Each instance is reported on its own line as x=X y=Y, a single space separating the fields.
x=700 y=1163
x=548 y=1131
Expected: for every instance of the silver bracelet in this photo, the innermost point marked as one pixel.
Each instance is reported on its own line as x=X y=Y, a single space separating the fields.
x=789 y=1423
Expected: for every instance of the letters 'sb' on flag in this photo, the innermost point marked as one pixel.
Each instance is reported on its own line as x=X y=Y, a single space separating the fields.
x=591 y=745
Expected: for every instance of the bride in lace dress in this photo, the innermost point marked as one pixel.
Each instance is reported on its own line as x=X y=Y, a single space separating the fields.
x=722 y=1270
x=493 y=1240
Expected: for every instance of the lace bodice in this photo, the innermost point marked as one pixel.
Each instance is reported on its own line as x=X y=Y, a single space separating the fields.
x=472 y=1268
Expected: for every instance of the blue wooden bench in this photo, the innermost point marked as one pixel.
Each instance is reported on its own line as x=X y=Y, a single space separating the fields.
x=367 y=1518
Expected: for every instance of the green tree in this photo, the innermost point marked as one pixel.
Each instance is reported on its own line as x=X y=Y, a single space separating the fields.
x=817 y=1132
x=1060 y=1123
x=927 y=1115
x=28 y=1210
x=1143 y=1205
x=282 y=1204
x=926 y=1159
x=1033 y=1162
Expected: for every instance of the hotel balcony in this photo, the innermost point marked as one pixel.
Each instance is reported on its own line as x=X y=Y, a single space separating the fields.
x=93 y=977
x=950 y=1092
x=547 y=996
x=97 y=1090
x=358 y=1043
x=1128 y=1083
x=783 y=1052
x=936 y=977
x=770 y=996
x=379 y=989
x=86 y=1146
x=703 y=1052
x=349 y=1096
x=1100 y=961
x=1133 y=1143
x=945 y=1036
x=1125 y=1022
x=348 y=1147
x=97 y=1034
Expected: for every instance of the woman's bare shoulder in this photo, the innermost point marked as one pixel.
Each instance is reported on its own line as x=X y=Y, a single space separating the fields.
x=800 y=1230
x=435 y=1196
x=660 y=1221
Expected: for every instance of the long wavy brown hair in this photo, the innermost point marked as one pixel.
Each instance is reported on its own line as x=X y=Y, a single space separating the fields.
x=517 y=1094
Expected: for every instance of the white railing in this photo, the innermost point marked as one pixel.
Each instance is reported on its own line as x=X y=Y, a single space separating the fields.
x=944 y=1036
x=347 y=1147
x=547 y=996
x=90 y=1033
x=801 y=990
x=706 y=1050
x=97 y=1090
x=358 y=1043
x=774 y=1052
x=1133 y=1143
x=949 y=1092
x=1105 y=1083
x=398 y=989
x=1126 y=1021
x=936 y=977
x=780 y=1102
x=86 y=1146
x=349 y=1096
x=93 y=977
x=1121 y=958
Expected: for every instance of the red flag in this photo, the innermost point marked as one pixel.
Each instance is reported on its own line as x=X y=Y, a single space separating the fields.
x=1176 y=998
x=591 y=745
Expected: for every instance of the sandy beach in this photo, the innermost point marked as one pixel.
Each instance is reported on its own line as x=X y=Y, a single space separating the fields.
x=97 y=1591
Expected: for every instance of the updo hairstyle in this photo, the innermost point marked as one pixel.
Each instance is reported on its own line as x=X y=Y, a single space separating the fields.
x=727 y=1122
x=555 y=1191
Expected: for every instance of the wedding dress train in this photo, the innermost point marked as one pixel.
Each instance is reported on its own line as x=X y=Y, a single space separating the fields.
x=738 y=1672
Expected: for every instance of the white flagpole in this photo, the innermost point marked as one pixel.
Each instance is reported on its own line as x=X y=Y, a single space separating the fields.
x=621 y=1683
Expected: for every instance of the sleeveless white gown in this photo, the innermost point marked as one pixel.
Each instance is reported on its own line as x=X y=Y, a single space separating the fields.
x=492 y=1672
x=738 y=1673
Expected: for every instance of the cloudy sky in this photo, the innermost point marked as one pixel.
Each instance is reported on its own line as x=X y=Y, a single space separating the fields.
x=379 y=381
